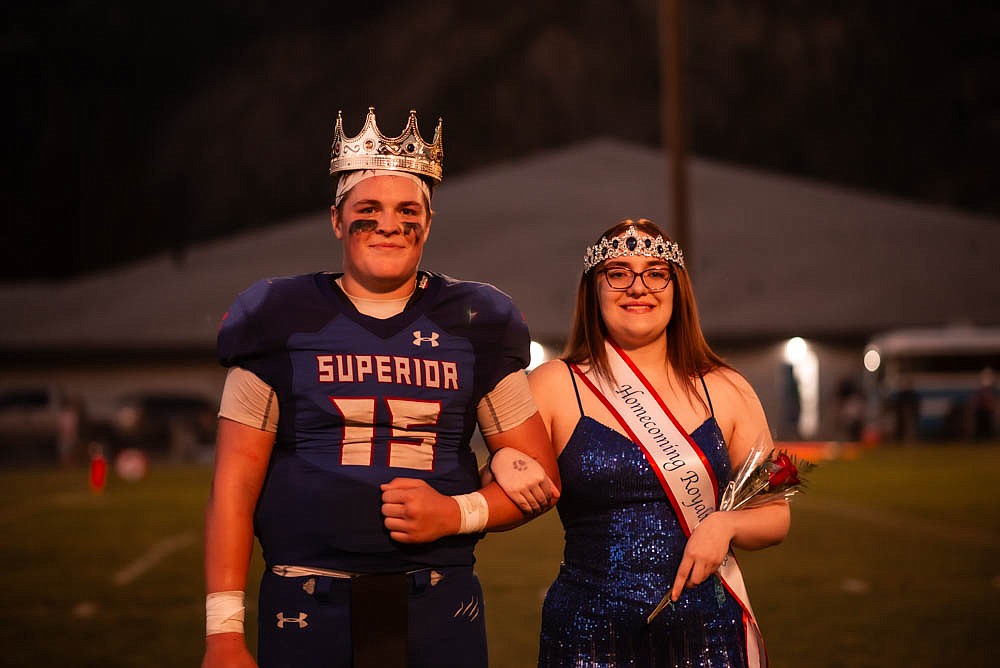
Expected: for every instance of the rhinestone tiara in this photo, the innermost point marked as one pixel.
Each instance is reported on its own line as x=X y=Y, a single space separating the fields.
x=630 y=243
x=370 y=149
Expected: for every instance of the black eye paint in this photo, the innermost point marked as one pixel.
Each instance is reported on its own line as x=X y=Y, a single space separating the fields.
x=416 y=229
x=359 y=226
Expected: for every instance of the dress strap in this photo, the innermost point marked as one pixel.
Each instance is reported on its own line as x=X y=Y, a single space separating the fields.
x=707 y=395
x=572 y=377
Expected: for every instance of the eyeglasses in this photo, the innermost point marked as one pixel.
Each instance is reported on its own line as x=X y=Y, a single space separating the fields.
x=655 y=279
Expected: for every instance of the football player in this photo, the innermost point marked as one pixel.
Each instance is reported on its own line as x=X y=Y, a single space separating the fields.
x=343 y=439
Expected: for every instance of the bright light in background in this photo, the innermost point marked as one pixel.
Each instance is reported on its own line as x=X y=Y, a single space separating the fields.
x=805 y=368
x=873 y=360
x=538 y=355
x=796 y=350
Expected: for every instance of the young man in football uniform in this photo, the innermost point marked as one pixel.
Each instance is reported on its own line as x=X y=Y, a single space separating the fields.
x=344 y=437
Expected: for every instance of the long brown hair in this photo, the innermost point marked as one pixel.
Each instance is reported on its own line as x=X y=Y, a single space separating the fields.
x=688 y=353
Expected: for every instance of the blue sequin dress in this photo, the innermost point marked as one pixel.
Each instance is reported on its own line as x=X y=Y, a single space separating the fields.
x=623 y=546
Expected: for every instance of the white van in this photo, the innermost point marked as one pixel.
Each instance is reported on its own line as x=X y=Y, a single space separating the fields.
x=931 y=383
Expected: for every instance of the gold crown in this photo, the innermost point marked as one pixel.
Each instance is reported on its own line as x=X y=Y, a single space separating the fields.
x=371 y=149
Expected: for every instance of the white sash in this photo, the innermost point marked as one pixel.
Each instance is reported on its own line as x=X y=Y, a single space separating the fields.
x=685 y=474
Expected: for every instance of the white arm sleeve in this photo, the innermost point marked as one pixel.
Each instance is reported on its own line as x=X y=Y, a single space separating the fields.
x=249 y=400
x=509 y=404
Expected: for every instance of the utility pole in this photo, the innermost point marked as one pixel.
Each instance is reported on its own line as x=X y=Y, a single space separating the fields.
x=671 y=28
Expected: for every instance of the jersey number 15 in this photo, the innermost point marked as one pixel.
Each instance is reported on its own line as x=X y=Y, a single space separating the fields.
x=415 y=452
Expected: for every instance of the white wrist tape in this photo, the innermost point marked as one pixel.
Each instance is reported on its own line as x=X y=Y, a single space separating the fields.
x=475 y=512
x=224 y=612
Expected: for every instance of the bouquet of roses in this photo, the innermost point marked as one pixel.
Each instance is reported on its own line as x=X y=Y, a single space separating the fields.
x=764 y=476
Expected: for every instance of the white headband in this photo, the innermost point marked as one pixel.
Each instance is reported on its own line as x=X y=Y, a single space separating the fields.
x=350 y=179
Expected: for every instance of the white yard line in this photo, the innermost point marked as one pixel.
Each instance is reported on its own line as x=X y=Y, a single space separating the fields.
x=903 y=522
x=153 y=556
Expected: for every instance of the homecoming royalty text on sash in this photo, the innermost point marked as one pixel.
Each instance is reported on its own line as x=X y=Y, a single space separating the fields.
x=681 y=467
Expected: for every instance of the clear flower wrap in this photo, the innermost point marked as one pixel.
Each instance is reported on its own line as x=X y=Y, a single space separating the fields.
x=765 y=475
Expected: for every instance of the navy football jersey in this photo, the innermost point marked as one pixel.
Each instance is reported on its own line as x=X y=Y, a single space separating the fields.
x=364 y=400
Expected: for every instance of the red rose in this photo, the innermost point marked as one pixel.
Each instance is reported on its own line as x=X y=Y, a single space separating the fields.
x=783 y=472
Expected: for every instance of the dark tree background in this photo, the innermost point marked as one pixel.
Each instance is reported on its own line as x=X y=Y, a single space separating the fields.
x=136 y=127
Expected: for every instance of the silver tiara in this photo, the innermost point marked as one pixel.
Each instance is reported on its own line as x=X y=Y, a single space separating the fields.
x=630 y=243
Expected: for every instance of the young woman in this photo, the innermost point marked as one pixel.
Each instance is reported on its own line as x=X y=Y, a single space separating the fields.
x=648 y=423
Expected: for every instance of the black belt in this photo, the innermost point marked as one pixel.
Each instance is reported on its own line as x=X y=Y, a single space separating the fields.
x=324 y=579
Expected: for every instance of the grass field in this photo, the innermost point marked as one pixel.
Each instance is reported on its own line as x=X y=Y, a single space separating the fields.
x=892 y=561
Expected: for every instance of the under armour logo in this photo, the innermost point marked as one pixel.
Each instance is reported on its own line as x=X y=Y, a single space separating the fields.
x=300 y=620
x=419 y=338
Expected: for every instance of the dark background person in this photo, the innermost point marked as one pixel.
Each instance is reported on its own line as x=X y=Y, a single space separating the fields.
x=850 y=409
x=984 y=406
x=907 y=412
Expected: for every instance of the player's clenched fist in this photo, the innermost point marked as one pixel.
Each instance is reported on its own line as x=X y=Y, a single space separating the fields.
x=417 y=513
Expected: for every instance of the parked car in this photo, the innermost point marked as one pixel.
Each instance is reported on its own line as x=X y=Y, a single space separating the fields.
x=39 y=425
x=175 y=425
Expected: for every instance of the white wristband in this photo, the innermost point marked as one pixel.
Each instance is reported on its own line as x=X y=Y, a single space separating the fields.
x=224 y=612
x=475 y=512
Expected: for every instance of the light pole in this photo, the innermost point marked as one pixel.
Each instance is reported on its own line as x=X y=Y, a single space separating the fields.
x=671 y=30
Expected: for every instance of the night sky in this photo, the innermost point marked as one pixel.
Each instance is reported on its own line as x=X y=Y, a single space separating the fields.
x=135 y=128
